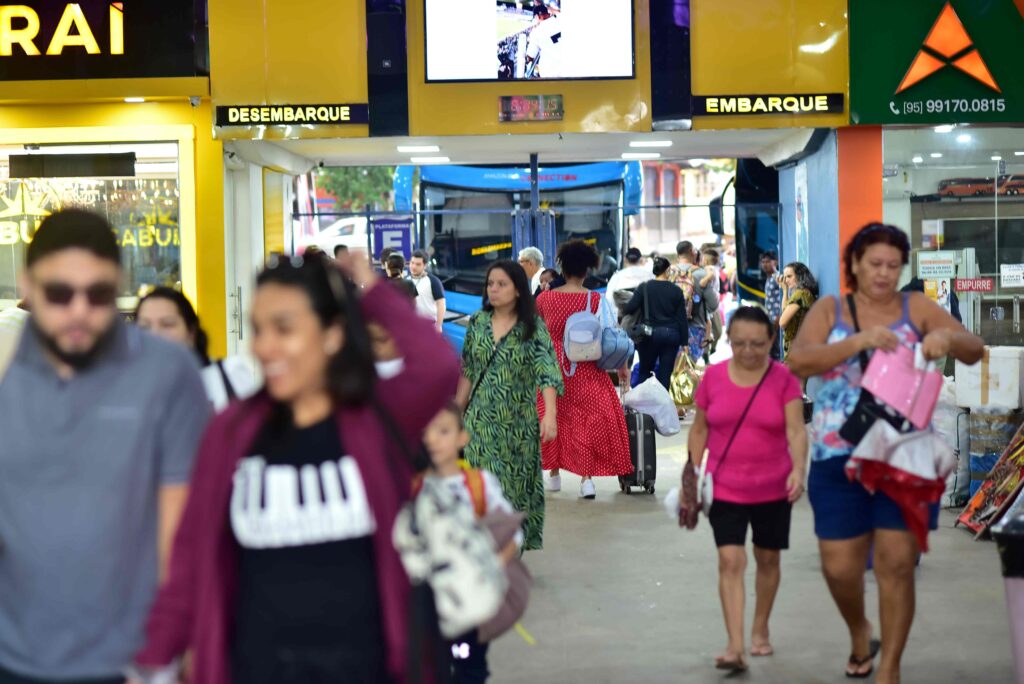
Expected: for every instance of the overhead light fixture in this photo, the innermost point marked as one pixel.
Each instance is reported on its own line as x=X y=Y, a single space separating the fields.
x=650 y=143
x=429 y=160
x=917 y=159
x=134 y=100
x=996 y=157
x=944 y=128
x=641 y=155
x=936 y=155
x=963 y=138
x=1018 y=154
x=418 y=149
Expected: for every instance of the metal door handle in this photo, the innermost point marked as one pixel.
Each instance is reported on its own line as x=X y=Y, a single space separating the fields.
x=1016 y=313
x=238 y=313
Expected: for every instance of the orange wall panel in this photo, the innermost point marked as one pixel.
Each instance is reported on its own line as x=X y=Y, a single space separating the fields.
x=860 y=179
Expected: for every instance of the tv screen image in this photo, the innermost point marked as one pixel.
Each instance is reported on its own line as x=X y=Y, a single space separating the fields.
x=512 y=40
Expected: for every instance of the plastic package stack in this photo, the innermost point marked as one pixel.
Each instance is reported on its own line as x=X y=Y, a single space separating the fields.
x=990 y=432
x=951 y=421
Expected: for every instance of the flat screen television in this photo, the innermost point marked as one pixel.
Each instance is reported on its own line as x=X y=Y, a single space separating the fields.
x=520 y=40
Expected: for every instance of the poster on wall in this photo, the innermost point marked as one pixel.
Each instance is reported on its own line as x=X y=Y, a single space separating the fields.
x=938 y=291
x=932 y=234
x=803 y=245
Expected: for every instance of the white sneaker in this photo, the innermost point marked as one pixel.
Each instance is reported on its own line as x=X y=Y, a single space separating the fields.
x=588 y=490
x=555 y=483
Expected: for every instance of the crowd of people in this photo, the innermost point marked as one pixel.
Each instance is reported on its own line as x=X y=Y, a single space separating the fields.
x=256 y=545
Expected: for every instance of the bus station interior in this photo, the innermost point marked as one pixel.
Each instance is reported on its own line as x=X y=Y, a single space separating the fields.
x=641 y=154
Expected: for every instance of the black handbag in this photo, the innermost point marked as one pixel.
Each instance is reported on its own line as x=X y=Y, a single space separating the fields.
x=638 y=328
x=868 y=408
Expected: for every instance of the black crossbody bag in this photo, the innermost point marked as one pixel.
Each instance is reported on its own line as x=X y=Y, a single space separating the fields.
x=868 y=408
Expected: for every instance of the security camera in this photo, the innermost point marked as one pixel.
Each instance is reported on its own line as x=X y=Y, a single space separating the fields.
x=194 y=100
x=320 y=164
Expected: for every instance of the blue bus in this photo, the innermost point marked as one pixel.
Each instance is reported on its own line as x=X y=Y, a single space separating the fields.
x=471 y=216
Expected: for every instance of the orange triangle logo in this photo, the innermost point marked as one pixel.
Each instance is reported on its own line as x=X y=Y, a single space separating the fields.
x=948 y=44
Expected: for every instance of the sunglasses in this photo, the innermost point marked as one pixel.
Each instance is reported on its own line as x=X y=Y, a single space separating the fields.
x=98 y=294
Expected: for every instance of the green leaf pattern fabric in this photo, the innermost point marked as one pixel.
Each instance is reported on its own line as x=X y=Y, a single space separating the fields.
x=502 y=416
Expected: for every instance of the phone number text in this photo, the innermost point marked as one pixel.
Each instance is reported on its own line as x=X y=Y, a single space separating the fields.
x=951 y=106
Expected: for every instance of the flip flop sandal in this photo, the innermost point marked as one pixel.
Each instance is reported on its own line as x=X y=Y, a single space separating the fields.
x=855 y=662
x=731 y=665
x=762 y=651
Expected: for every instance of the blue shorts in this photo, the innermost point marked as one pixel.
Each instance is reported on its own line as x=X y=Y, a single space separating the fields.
x=845 y=510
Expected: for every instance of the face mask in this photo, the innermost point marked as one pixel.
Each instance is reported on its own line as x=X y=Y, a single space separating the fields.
x=389 y=369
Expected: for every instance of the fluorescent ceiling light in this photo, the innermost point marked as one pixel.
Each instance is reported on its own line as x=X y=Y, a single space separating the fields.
x=1018 y=154
x=936 y=155
x=641 y=155
x=134 y=100
x=996 y=157
x=418 y=149
x=917 y=159
x=963 y=138
x=651 y=143
x=945 y=128
x=429 y=160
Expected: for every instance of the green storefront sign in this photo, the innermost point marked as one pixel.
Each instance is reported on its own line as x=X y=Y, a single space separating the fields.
x=936 y=61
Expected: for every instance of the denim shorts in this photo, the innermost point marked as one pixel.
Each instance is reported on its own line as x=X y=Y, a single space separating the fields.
x=845 y=510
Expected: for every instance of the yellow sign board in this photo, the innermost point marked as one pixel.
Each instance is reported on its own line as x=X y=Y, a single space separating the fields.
x=743 y=53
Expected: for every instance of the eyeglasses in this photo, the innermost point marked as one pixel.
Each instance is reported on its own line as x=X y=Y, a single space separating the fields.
x=98 y=294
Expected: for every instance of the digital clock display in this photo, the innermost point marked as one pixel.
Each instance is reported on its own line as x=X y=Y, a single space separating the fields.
x=530 y=108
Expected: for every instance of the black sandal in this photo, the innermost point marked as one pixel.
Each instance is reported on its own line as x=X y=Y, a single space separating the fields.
x=856 y=663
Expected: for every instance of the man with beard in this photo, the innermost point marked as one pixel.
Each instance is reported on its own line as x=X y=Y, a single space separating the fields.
x=99 y=423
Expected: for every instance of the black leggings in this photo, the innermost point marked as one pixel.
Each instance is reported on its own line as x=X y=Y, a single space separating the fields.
x=660 y=348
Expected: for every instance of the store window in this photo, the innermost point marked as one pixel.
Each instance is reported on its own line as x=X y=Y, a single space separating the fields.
x=140 y=201
x=959 y=193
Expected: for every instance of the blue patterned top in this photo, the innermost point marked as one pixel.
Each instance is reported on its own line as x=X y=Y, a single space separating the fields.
x=773 y=298
x=839 y=388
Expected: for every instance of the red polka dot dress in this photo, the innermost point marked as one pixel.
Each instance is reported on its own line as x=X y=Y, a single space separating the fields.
x=592 y=439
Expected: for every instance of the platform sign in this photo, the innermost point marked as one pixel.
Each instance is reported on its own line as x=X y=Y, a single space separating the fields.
x=393 y=232
x=936 y=61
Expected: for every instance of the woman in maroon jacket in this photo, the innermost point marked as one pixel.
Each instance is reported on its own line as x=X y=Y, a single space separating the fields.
x=283 y=568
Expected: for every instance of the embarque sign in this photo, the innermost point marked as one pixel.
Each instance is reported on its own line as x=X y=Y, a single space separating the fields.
x=936 y=61
x=47 y=40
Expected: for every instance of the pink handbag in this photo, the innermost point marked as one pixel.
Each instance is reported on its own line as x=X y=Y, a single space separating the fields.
x=903 y=380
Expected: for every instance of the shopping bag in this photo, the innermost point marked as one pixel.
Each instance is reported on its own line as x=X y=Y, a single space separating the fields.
x=685 y=378
x=903 y=380
x=652 y=398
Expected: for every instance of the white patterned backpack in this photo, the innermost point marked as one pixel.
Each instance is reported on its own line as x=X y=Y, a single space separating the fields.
x=582 y=338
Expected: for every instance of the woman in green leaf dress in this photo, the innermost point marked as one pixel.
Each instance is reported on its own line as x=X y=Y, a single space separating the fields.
x=506 y=359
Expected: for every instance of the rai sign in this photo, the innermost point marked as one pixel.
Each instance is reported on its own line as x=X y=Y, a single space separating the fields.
x=936 y=61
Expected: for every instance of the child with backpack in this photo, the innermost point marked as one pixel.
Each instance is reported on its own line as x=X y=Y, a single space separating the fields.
x=445 y=438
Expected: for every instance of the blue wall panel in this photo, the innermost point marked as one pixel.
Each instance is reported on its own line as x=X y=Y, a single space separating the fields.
x=823 y=212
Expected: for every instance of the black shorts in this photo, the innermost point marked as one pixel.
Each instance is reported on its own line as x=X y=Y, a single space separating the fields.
x=770 y=522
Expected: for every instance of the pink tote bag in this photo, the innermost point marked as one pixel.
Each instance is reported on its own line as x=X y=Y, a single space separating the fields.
x=903 y=380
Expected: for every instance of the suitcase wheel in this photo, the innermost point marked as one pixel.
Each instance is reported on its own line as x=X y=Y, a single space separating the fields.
x=649 y=488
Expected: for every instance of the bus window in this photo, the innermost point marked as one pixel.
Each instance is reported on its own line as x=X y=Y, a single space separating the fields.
x=466 y=241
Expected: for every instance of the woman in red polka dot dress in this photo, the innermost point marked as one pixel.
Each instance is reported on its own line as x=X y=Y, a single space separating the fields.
x=592 y=439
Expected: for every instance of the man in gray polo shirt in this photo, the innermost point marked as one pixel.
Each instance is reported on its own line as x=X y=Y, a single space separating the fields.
x=99 y=423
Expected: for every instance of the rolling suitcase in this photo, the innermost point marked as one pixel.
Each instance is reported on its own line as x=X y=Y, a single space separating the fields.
x=642 y=451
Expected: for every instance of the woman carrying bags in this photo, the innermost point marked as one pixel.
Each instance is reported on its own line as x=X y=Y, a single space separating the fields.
x=835 y=339
x=750 y=420
x=664 y=310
